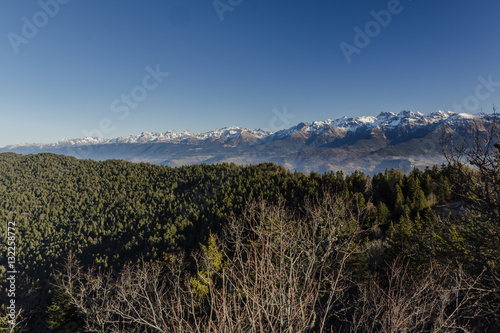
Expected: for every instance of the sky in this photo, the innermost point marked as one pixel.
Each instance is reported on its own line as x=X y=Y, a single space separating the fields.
x=73 y=68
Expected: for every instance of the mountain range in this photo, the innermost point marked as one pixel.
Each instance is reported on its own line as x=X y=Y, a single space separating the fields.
x=370 y=144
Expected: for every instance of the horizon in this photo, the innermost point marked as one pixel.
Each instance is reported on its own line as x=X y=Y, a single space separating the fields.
x=180 y=65
x=234 y=127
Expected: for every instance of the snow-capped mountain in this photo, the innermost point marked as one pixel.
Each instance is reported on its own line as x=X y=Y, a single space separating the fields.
x=385 y=121
x=367 y=143
x=150 y=137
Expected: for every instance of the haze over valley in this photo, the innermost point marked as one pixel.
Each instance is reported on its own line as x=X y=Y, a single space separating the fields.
x=370 y=144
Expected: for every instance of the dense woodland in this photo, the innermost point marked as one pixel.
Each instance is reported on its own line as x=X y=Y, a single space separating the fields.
x=114 y=246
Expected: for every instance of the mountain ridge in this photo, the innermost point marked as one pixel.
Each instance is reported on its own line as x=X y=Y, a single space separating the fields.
x=384 y=119
x=365 y=143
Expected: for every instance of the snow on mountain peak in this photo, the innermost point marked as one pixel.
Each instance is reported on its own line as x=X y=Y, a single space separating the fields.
x=367 y=119
x=385 y=120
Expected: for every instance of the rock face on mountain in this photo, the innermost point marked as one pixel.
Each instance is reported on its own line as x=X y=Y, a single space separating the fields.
x=371 y=144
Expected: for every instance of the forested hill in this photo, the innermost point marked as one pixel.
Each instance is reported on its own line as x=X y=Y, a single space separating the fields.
x=113 y=212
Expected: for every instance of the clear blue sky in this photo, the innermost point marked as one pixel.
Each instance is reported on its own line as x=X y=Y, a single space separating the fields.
x=264 y=54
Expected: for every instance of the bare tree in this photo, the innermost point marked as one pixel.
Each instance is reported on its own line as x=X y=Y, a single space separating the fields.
x=12 y=321
x=434 y=302
x=292 y=272
x=280 y=273
x=476 y=165
x=273 y=271
x=25 y=310
x=89 y=291
x=144 y=298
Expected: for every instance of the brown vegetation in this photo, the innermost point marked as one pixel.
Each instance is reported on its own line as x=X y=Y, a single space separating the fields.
x=274 y=272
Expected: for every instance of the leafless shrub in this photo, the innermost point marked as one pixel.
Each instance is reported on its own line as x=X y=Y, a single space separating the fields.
x=476 y=166
x=292 y=272
x=435 y=302
x=26 y=305
x=272 y=271
x=280 y=274
x=145 y=298
x=476 y=171
x=12 y=321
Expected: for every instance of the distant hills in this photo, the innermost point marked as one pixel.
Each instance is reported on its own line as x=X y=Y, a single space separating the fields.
x=371 y=144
